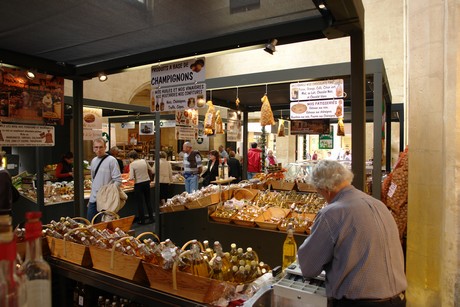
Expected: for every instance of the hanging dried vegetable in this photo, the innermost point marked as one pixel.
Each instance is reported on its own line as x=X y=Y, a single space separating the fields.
x=341 y=127
x=266 y=116
x=210 y=119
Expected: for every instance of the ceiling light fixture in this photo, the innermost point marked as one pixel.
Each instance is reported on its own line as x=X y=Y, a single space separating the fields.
x=30 y=75
x=102 y=77
x=270 y=47
x=322 y=6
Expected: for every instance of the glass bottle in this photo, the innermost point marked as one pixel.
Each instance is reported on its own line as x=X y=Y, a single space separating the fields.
x=100 y=301
x=36 y=270
x=233 y=250
x=199 y=265
x=12 y=286
x=249 y=256
x=82 y=296
x=289 y=247
x=240 y=275
x=217 y=269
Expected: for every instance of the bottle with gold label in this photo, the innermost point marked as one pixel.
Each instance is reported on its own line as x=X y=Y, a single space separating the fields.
x=289 y=247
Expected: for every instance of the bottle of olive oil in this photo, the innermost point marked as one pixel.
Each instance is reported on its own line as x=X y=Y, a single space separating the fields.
x=289 y=247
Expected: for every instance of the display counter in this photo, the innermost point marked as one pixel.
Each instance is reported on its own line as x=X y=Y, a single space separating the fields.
x=183 y=225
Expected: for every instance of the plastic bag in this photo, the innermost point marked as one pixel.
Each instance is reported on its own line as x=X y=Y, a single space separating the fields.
x=210 y=119
x=266 y=116
x=219 y=124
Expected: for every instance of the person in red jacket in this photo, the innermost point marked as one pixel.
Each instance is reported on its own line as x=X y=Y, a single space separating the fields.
x=254 y=160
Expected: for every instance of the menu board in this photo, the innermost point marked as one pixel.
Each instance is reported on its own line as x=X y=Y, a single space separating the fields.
x=316 y=109
x=325 y=89
x=36 y=101
x=26 y=135
x=178 y=86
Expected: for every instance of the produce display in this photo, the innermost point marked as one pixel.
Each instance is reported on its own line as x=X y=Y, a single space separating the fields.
x=272 y=210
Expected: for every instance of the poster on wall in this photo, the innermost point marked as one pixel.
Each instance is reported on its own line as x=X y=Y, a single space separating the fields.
x=92 y=123
x=186 y=133
x=26 y=135
x=178 y=86
x=146 y=128
x=187 y=117
x=234 y=126
x=310 y=126
x=34 y=101
x=326 y=141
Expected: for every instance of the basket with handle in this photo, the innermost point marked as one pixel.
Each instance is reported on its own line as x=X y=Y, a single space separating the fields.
x=196 y=288
x=70 y=251
x=117 y=263
x=123 y=223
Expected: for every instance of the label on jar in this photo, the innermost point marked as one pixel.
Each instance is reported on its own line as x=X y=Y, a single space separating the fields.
x=39 y=292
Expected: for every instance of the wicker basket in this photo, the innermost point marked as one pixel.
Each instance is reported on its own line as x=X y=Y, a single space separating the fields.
x=174 y=208
x=116 y=263
x=124 y=223
x=262 y=220
x=196 y=288
x=69 y=251
x=242 y=193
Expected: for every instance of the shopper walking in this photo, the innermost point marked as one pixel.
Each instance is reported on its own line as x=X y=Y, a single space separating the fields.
x=212 y=171
x=234 y=167
x=192 y=167
x=139 y=172
x=356 y=241
x=104 y=170
x=165 y=176
x=254 y=163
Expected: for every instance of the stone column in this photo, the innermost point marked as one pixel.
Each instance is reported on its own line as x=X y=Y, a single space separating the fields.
x=433 y=247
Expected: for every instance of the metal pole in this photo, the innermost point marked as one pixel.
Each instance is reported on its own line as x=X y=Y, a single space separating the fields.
x=388 y=111
x=245 y=145
x=157 y=172
x=358 y=109
x=78 y=175
x=378 y=113
x=40 y=181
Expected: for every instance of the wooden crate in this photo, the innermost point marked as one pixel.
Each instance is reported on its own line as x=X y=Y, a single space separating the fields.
x=248 y=194
x=172 y=208
x=262 y=220
x=196 y=288
x=69 y=251
x=281 y=185
x=119 y=264
x=305 y=187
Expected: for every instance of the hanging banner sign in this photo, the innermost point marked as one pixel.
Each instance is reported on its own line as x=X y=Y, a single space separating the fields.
x=178 y=86
x=325 y=89
x=186 y=133
x=92 y=123
x=311 y=126
x=26 y=135
x=187 y=117
x=178 y=98
x=316 y=109
x=177 y=73
x=234 y=131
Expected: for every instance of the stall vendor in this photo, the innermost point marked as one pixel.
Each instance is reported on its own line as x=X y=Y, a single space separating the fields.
x=64 y=169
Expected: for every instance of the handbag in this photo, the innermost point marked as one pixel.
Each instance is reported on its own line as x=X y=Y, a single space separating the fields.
x=150 y=171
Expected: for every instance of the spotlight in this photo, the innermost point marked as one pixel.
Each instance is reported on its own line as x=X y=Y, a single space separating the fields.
x=270 y=47
x=322 y=6
x=30 y=75
x=102 y=77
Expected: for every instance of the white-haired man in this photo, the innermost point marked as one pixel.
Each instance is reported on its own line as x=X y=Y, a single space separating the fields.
x=355 y=240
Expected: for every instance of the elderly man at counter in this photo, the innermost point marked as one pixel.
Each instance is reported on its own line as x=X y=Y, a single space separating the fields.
x=192 y=167
x=355 y=240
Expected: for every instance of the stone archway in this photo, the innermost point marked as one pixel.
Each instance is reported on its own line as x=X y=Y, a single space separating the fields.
x=141 y=95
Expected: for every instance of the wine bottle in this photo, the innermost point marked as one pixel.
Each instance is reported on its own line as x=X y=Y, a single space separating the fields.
x=37 y=271
x=289 y=247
